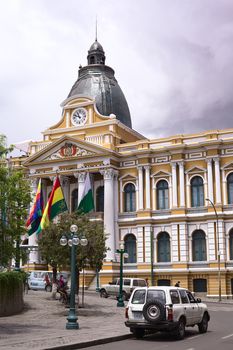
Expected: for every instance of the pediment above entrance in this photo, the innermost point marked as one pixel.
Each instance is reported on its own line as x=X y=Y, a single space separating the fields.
x=161 y=173
x=195 y=170
x=67 y=148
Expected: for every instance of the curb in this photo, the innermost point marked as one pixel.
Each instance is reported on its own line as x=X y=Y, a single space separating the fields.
x=90 y=343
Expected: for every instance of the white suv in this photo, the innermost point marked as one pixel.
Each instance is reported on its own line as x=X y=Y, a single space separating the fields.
x=129 y=284
x=165 y=309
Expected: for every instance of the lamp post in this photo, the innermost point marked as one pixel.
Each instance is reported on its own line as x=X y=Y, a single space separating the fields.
x=73 y=241
x=122 y=252
x=97 y=280
x=218 y=252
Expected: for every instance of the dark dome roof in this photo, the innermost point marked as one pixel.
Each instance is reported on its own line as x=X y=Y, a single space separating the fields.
x=96 y=46
x=96 y=80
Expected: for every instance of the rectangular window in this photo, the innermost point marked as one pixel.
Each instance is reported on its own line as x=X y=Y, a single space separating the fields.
x=174 y=297
x=139 y=297
x=156 y=294
x=184 y=297
x=126 y=282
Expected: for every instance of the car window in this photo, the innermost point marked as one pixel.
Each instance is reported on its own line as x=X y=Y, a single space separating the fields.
x=126 y=282
x=114 y=281
x=135 y=283
x=191 y=297
x=139 y=297
x=141 y=283
x=174 y=297
x=156 y=294
x=184 y=297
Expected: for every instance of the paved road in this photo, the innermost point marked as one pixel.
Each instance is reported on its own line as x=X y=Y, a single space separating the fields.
x=219 y=335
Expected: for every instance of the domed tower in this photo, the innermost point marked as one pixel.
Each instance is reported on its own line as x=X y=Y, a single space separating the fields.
x=96 y=80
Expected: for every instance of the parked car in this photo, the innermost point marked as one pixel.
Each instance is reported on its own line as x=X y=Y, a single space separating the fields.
x=129 y=284
x=168 y=309
x=36 y=280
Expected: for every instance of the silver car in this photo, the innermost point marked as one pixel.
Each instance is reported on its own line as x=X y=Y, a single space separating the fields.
x=168 y=309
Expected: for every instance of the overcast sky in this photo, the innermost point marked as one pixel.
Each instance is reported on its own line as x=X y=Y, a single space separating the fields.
x=172 y=58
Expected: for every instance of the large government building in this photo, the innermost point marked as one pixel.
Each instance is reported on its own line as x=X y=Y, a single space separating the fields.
x=170 y=199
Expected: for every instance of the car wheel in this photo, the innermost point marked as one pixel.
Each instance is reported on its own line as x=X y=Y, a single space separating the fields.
x=154 y=311
x=103 y=293
x=48 y=288
x=180 y=330
x=203 y=325
x=138 y=332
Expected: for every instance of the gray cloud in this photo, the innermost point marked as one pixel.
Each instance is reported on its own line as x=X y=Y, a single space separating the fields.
x=172 y=58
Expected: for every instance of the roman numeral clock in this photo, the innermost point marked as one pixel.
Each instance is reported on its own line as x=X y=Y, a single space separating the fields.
x=79 y=117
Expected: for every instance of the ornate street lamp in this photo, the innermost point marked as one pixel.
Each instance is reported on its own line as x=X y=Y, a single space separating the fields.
x=73 y=240
x=122 y=252
x=218 y=248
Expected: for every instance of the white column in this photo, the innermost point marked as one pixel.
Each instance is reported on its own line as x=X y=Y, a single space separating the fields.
x=109 y=212
x=147 y=175
x=170 y=194
x=210 y=179
x=224 y=187
x=32 y=240
x=147 y=244
x=90 y=112
x=121 y=196
x=188 y=196
x=153 y=195
x=174 y=185
x=217 y=180
x=116 y=208
x=140 y=245
x=181 y=178
x=174 y=244
x=183 y=243
x=140 y=187
x=137 y=196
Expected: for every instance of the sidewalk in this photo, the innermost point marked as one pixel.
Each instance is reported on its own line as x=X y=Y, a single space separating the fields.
x=42 y=324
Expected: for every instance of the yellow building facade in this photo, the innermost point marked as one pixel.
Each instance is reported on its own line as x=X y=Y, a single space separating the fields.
x=170 y=200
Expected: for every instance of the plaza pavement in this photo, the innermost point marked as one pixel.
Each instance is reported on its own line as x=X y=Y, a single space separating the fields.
x=42 y=324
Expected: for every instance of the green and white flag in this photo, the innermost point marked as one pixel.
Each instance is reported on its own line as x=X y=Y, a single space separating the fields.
x=86 y=203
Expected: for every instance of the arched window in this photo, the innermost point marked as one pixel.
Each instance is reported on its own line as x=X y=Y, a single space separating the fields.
x=163 y=242
x=130 y=197
x=130 y=248
x=162 y=194
x=197 y=191
x=231 y=244
x=230 y=188
x=74 y=200
x=100 y=198
x=199 y=246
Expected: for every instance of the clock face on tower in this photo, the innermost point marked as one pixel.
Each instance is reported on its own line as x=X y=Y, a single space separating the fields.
x=79 y=117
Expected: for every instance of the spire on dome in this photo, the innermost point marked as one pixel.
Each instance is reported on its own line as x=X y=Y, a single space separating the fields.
x=96 y=52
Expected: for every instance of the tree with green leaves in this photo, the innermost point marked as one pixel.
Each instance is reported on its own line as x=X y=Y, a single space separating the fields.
x=14 y=202
x=59 y=256
x=4 y=150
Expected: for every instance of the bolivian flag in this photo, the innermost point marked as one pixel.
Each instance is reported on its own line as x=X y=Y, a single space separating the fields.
x=56 y=204
x=86 y=203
